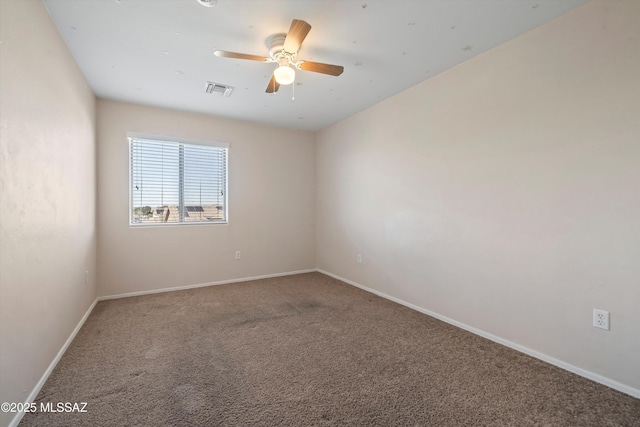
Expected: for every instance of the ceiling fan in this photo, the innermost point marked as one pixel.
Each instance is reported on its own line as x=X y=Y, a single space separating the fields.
x=283 y=50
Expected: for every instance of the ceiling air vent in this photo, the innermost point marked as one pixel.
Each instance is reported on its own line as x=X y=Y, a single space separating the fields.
x=218 y=89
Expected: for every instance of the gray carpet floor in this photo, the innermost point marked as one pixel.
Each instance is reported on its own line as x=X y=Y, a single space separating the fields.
x=306 y=350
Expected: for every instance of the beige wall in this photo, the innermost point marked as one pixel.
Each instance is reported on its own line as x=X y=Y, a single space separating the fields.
x=504 y=193
x=271 y=204
x=47 y=197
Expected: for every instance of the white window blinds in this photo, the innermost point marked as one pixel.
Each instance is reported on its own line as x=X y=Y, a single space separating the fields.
x=177 y=183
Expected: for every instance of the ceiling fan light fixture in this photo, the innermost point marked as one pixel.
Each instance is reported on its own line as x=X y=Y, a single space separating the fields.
x=283 y=51
x=208 y=3
x=284 y=75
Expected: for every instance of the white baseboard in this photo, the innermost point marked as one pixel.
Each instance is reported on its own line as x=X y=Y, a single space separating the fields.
x=32 y=396
x=202 y=285
x=545 y=358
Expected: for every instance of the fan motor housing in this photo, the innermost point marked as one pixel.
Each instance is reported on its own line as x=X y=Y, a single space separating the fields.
x=275 y=43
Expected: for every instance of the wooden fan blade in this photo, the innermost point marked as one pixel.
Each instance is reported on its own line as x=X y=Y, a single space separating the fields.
x=273 y=85
x=225 y=54
x=297 y=32
x=317 y=67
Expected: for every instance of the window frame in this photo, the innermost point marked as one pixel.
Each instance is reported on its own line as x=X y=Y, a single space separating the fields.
x=143 y=136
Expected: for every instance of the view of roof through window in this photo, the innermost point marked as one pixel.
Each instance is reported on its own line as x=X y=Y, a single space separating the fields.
x=177 y=183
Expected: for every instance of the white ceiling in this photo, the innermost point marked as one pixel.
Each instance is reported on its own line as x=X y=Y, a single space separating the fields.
x=160 y=52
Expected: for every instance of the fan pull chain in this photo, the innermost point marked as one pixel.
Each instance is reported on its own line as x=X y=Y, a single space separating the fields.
x=293 y=92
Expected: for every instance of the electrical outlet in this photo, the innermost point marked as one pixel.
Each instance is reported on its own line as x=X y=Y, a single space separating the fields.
x=359 y=259
x=601 y=319
x=238 y=255
x=86 y=277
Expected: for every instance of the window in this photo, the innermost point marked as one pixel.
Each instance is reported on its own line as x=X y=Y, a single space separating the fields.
x=173 y=182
